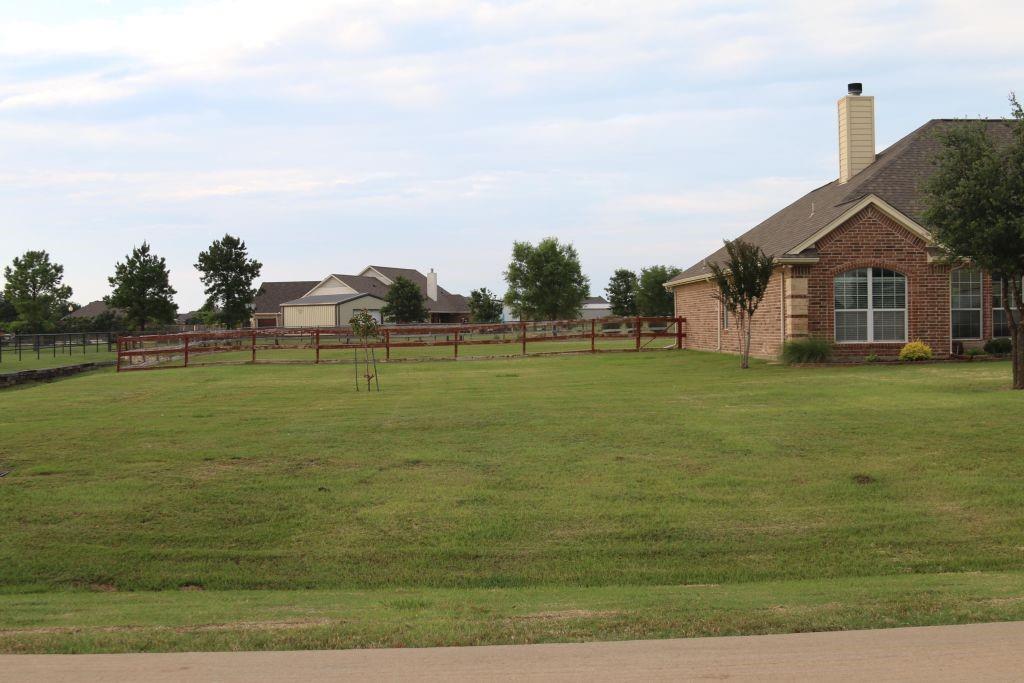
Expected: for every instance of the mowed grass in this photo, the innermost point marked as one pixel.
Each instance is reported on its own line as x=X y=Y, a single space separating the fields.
x=505 y=501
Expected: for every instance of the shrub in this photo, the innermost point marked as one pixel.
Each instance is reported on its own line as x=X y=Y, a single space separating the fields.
x=974 y=352
x=916 y=350
x=999 y=346
x=872 y=358
x=806 y=351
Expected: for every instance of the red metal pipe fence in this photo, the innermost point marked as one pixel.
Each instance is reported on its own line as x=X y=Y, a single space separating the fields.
x=159 y=351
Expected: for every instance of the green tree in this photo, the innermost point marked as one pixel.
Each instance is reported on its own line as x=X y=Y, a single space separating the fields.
x=34 y=286
x=651 y=297
x=545 y=282
x=974 y=209
x=8 y=313
x=404 y=302
x=622 y=290
x=141 y=288
x=484 y=307
x=227 y=275
x=742 y=282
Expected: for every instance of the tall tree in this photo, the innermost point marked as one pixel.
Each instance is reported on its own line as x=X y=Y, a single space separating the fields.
x=975 y=210
x=141 y=288
x=621 y=290
x=484 y=307
x=227 y=274
x=8 y=313
x=651 y=297
x=34 y=286
x=545 y=282
x=742 y=282
x=404 y=302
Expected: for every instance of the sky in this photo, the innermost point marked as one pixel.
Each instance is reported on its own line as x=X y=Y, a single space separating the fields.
x=433 y=134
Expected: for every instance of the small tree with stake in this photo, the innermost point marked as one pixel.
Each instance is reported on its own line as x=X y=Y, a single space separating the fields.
x=742 y=281
x=365 y=327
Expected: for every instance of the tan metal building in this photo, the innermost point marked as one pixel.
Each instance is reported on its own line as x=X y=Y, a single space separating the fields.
x=328 y=310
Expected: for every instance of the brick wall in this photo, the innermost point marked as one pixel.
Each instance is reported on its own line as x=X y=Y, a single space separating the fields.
x=696 y=303
x=872 y=239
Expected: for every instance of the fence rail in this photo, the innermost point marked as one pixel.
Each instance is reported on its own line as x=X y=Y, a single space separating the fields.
x=319 y=345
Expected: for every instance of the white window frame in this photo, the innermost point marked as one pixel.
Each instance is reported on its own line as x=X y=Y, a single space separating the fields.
x=997 y=291
x=724 y=322
x=870 y=310
x=980 y=309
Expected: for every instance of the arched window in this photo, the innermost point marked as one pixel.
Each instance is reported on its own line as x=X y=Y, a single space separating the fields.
x=871 y=305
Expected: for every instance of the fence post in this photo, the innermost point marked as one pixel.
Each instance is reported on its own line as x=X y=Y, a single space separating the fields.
x=186 y=350
x=37 y=347
x=253 y=347
x=316 y=342
x=522 y=326
x=387 y=344
x=679 y=333
x=593 y=335
x=638 y=323
x=119 y=354
x=457 y=342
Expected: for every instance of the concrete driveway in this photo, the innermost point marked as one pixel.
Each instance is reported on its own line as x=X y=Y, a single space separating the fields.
x=973 y=652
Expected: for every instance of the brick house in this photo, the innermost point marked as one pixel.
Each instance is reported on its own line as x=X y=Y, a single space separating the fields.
x=856 y=263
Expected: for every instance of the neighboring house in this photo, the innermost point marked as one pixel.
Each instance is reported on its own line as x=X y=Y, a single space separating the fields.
x=333 y=300
x=856 y=263
x=269 y=297
x=93 y=309
x=596 y=307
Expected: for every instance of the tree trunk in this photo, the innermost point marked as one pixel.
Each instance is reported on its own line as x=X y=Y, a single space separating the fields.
x=745 y=329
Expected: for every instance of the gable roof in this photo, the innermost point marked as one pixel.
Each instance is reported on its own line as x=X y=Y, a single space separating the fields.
x=271 y=295
x=446 y=301
x=318 y=299
x=892 y=182
x=93 y=309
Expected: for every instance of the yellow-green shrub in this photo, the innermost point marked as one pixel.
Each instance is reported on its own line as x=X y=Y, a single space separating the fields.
x=916 y=350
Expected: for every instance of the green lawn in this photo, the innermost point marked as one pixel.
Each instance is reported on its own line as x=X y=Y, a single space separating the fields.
x=560 y=498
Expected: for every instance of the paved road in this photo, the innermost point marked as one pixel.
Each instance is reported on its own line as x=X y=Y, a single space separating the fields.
x=975 y=652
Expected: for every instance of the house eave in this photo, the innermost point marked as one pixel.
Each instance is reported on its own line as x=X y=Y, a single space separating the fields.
x=866 y=201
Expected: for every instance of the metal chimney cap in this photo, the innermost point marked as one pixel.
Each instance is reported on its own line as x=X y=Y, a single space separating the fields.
x=855 y=88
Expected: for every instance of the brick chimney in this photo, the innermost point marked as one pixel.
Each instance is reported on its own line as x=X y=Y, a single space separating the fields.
x=856 y=132
x=432 y=285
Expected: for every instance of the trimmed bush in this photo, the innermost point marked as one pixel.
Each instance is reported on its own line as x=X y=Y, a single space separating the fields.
x=916 y=350
x=999 y=346
x=974 y=352
x=806 y=351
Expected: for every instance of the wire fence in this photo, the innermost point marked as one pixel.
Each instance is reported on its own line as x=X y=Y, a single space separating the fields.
x=16 y=348
x=400 y=342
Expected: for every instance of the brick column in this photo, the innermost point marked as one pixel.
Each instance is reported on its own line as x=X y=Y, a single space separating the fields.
x=795 y=301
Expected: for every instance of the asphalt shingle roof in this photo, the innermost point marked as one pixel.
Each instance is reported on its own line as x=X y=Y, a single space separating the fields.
x=271 y=295
x=895 y=176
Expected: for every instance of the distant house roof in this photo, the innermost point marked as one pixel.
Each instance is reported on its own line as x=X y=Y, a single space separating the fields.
x=446 y=301
x=596 y=302
x=895 y=177
x=93 y=309
x=320 y=299
x=271 y=295
x=365 y=284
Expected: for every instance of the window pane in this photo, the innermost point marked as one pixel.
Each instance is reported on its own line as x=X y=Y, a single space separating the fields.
x=889 y=326
x=851 y=290
x=888 y=289
x=851 y=326
x=999 y=326
x=966 y=324
x=965 y=285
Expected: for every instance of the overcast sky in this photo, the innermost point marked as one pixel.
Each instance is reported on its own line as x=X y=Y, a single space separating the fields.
x=332 y=135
